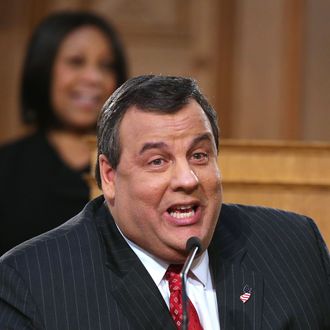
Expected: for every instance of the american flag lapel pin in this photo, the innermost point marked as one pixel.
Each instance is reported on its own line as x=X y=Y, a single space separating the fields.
x=245 y=296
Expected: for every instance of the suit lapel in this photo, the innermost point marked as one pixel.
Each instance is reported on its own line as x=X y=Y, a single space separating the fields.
x=131 y=285
x=231 y=283
x=227 y=252
x=141 y=301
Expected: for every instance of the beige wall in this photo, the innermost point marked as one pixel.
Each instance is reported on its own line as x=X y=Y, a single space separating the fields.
x=263 y=64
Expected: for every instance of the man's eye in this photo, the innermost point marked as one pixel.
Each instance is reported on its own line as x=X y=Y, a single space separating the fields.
x=200 y=156
x=157 y=162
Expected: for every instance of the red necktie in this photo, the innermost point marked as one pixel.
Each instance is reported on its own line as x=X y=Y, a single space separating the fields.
x=174 y=281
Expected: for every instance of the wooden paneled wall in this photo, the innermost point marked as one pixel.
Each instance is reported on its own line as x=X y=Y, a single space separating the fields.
x=263 y=64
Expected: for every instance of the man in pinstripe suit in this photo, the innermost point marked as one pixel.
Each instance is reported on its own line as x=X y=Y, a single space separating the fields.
x=157 y=165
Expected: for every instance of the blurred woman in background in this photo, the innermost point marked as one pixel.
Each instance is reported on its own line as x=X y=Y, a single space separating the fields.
x=73 y=63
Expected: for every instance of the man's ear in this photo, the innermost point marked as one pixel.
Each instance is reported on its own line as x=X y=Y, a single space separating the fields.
x=107 y=174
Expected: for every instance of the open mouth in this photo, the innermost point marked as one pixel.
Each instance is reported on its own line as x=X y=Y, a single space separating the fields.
x=183 y=211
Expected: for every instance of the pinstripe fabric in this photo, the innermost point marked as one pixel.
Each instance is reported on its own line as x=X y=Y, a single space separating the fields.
x=282 y=257
x=83 y=275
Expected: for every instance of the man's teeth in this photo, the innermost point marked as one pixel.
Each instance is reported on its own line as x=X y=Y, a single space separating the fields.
x=182 y=212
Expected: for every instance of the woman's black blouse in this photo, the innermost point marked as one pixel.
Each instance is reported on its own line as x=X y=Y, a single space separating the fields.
x=37 y=190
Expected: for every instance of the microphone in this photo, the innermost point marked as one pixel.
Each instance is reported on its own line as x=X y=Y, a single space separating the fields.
x=193 y=246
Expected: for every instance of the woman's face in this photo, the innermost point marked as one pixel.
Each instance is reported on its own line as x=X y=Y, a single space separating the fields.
x=83 y=78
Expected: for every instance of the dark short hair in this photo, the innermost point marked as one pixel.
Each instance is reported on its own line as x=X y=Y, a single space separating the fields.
x=164 y=94
x=35 y=93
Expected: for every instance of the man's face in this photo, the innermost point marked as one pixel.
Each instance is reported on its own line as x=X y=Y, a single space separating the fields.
x=166 y=187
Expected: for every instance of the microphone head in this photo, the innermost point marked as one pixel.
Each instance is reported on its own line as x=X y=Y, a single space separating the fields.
x=193 y=242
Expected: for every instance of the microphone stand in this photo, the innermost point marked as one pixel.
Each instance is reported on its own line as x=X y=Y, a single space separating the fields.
x=184 y=273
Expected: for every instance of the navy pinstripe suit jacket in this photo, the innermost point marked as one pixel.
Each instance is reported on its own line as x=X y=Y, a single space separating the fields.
x=83 y=275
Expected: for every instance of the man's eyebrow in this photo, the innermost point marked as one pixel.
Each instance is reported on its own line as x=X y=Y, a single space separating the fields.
x=163 y=145
x=152 y=145
x=200 y=138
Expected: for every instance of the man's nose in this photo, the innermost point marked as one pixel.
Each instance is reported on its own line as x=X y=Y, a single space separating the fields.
x=183 y=177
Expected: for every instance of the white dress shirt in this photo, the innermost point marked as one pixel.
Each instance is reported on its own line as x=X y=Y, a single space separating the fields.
x=200 y=287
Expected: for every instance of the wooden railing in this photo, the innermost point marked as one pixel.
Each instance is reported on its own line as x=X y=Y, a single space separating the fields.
x=280 y=174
